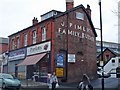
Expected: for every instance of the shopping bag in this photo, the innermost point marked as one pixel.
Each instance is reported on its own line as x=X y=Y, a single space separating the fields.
x=57 y=85
x=50 y=86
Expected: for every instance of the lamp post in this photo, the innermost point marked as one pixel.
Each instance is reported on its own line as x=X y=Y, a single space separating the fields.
x=101 y=45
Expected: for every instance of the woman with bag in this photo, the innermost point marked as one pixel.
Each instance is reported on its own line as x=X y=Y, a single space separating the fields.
x=85 y=84
x=53 y=80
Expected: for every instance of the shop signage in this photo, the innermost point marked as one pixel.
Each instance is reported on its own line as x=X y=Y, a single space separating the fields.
x=44 y=47
x=59 y=72
x=71 y=58
x=59 y=60
x=16 y=55
x=76 y=30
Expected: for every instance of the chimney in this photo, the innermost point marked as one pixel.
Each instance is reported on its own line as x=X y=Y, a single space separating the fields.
x=88 y=10
x=69 y=4
x=34 y=21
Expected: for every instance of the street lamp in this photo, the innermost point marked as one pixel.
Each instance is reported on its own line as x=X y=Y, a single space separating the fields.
x=101 y=45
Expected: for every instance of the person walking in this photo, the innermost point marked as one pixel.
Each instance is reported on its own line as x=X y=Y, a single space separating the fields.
x=53 y=80
x=85 y=84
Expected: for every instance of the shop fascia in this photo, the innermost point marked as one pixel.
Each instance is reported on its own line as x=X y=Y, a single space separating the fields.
x=17 y=54
x=39 y=48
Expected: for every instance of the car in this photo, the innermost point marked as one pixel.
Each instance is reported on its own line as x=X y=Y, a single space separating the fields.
x=9 y=81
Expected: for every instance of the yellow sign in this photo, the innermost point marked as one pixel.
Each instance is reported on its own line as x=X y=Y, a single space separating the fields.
x=59 y=72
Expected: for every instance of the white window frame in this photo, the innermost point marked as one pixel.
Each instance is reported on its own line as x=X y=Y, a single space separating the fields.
x=34 y=36
x=25 y=39
x=43 y=33
x=18 y=41
x=80 y=15
x=13 y=44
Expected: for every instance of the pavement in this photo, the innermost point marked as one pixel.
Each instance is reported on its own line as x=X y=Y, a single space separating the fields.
x=31 y=83
x=109 y=83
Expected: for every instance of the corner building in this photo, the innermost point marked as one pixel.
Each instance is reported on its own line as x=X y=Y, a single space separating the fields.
x=63 y=42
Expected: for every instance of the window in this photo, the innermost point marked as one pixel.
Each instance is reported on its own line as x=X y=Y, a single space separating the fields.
x=107 y=57
x=34 y=37
x=119 y=61
x=79 y=15
x=18 y=42
x=13 y=44
x=43 y=34
x=113 y=61
x=25 y=39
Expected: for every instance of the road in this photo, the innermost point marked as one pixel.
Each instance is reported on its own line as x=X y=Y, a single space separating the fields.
x=110 y=84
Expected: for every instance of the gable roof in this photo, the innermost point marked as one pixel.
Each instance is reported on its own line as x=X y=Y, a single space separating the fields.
x=83 y=8
x=108 y=50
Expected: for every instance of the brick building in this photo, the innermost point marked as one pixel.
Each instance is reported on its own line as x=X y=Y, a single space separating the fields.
x=3 y=53
x=3 y=45
x=64 y=42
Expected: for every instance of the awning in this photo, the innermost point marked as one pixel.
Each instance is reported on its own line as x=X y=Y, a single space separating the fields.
x=31 y=60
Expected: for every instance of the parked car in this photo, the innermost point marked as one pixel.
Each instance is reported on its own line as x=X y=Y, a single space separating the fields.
x=8 y=81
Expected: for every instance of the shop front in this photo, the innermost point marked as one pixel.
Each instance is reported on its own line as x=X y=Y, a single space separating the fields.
x=37 y=62
x=14 y=58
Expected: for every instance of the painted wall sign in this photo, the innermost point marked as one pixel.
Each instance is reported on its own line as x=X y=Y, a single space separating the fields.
x=16 y=55
x=60 y=60
x=44 y=47
x=59 y=72
x=71 y=58
x=77 y=30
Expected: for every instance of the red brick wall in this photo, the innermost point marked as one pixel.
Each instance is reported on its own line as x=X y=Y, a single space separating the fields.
x=3 y=48
x=83 y=48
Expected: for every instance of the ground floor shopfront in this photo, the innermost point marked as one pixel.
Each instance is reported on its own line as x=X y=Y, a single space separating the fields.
x=41 y=59
x=36 y=66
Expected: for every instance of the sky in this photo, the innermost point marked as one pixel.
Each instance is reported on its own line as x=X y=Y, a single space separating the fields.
x=15 y=15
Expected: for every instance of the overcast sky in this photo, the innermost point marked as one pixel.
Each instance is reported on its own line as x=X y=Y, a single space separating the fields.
x=15 y=15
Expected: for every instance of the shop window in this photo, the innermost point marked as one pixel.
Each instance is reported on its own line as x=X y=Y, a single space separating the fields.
x=43 y=33
x=34 y=36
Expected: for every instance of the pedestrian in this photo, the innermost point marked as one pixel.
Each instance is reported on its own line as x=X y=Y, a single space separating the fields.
x=53 y=80
x=85 y=84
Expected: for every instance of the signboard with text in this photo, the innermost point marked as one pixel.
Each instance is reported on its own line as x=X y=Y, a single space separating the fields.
x=59 y=72
x=60 y=60
x=17 y=54
x=39 y=48
x=71 y=58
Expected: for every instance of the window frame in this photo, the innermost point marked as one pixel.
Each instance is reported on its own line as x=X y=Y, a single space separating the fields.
x=34 y=37
x=25 y=39
x=43 y=33
x=18 y=42
x=80 y=16
x=13 y=43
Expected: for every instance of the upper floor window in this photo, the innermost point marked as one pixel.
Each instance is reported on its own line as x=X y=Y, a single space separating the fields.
x=80 y=15
x=13 y=44
x=18 y=42
x=25 y=39
x=34 y=37
x=43 y=34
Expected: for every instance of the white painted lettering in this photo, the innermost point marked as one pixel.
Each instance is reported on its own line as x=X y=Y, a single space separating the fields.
x=70 y=24
x=63 y=24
